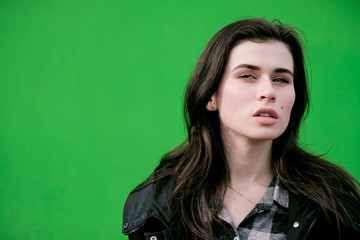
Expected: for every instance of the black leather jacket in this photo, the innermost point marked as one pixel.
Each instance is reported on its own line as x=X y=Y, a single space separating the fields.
x=146 y=216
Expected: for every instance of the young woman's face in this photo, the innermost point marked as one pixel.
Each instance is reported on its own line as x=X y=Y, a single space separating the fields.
x=256 y=94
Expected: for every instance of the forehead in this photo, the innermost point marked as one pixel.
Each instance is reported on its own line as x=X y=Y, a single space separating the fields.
x=266 y=54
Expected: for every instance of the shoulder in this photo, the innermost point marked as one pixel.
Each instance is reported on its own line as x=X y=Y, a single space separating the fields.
x=147 y=205
x=308 y=220
x=302 y=214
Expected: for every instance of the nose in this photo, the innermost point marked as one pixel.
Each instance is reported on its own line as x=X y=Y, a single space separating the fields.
x=266 y=91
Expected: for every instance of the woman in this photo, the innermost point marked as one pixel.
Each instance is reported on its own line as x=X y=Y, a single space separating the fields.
x=241 y=174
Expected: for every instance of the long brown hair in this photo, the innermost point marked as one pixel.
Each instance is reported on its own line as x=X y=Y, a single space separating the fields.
x=198 y=166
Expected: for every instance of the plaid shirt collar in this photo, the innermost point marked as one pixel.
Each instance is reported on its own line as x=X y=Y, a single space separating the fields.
x=281 y=195
x=267 y=220
x=274 y=194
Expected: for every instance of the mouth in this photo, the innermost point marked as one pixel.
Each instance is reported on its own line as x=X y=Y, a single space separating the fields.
x=264 y=115
x=266 y=112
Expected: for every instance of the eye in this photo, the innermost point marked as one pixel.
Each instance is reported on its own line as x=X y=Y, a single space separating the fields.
x=280 y=80
x=247 y=76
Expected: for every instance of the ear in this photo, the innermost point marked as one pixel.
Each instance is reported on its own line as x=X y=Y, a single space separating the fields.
x=211 y=105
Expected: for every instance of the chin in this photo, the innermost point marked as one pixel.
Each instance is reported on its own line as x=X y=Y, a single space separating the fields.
x=267 y=136
x=264 y=138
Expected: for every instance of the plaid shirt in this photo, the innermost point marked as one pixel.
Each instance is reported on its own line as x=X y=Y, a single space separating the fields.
x=268 y=220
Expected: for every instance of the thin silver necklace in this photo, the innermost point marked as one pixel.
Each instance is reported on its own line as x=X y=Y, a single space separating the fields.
x=241 y=195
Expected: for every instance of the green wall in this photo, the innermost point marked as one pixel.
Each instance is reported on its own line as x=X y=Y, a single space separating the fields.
x=91 y=95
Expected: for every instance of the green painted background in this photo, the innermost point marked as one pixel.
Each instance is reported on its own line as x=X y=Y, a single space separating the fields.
x=91 y=94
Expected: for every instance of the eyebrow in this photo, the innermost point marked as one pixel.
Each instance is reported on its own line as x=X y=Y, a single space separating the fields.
x=253 y=67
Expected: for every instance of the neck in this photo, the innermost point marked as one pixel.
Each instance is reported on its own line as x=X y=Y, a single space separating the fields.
x=249 y=162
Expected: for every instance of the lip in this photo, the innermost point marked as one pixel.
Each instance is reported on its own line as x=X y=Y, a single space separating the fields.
x=270 y=111
x=264 y=119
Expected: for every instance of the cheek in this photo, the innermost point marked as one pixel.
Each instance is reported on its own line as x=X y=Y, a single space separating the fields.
x=288 y=103
x=232 y=100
